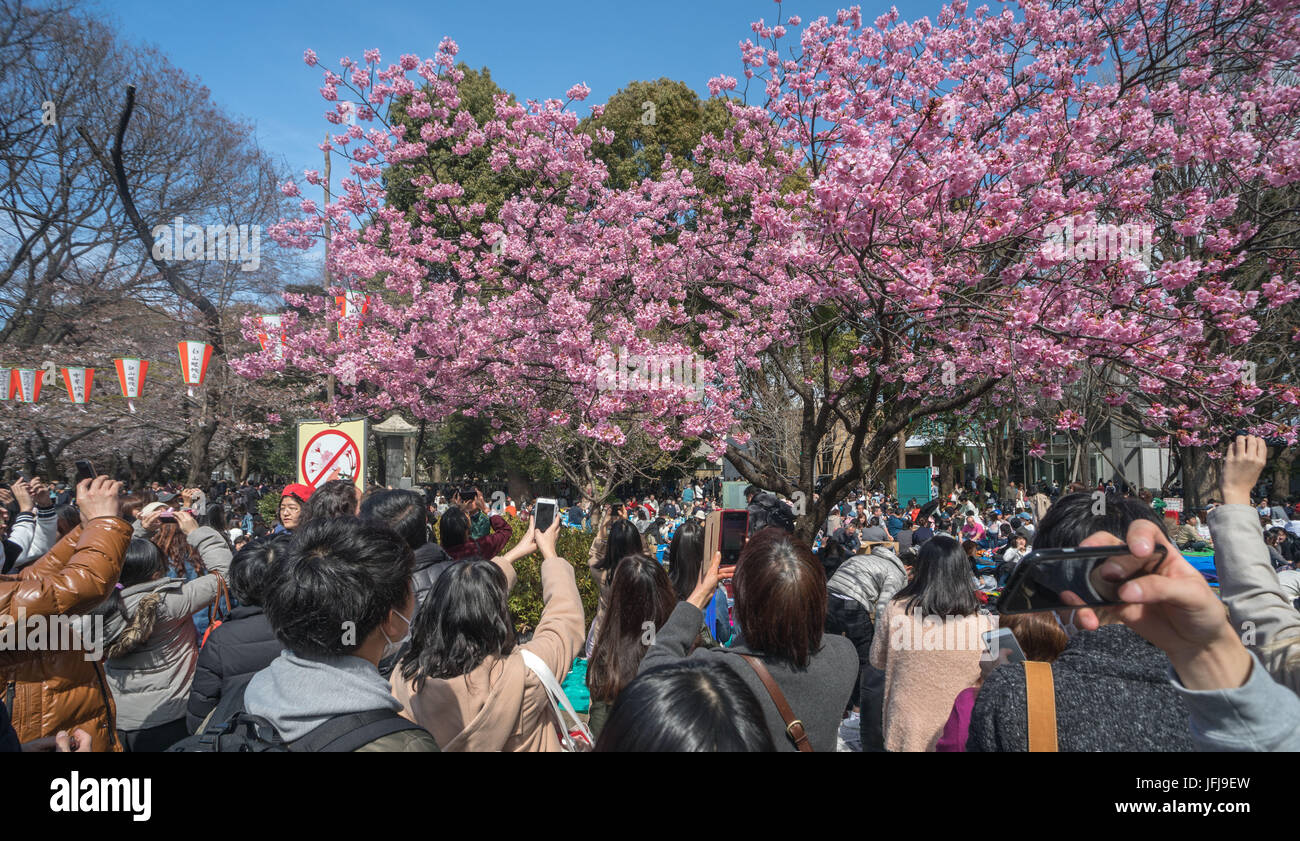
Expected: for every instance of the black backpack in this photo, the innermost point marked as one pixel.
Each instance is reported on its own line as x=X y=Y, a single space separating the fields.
x=231 y=729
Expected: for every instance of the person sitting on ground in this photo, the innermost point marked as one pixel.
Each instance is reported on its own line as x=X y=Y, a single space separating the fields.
x=781 y=607
x=873 y=533
x=244 y=643
x=339 y=601
x=687 y=706
x=466 y=679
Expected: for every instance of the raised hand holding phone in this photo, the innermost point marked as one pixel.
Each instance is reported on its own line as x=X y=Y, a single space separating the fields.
x=708 y=583
x=546 y=539
x=97 y=498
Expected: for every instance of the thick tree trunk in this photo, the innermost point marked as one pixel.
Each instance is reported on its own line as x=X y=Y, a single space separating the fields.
x=1282 y=465
x=1198 y=477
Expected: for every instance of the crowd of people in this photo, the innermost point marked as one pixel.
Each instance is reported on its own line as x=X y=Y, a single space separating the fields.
x=380 y=621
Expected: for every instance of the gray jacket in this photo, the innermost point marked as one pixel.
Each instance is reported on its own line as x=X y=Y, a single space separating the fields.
x=870 y=580
x=1257 y=605
x=1259 y=716
x=151 y=685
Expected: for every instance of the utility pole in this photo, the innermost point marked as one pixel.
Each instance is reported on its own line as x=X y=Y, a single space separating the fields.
x=329 y=382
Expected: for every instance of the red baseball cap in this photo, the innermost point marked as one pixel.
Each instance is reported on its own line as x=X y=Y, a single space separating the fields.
x=302 y=492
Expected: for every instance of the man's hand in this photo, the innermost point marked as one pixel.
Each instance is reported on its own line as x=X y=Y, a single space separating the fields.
x=1170 y=605
x=97 y=497
x=1242 y=464
x=708 y=583
x=76 y=742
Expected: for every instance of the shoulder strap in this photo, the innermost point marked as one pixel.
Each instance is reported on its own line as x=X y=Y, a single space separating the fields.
x=346 y=733
x=1040 y=691
x=565 y=715
x=793 y=726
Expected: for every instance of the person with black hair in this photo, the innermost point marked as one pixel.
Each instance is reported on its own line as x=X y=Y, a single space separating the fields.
x=641 y=599
x=685 y=559
x=1111 y=686
x=244 y=643
x=617 y=539
x=465 y=678
x=455 y=530
x=33 y=528
x=152 y=639
x=687 y=706
x=927 y=641
x=340 y=600
x=335 y=498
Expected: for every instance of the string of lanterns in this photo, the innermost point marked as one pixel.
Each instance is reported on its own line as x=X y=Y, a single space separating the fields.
x=24 y=384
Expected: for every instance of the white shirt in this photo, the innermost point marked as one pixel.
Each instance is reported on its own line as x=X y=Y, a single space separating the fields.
x=1290 y=581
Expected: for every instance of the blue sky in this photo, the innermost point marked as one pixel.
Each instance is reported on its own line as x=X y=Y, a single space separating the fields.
x=250 y=53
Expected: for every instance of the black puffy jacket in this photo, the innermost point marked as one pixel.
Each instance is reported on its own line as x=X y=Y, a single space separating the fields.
x=241 y=647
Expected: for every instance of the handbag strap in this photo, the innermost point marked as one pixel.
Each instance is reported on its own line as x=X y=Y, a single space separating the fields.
x=559 y=700
x=1040 y=691
x=793 y=726
x=215 y=607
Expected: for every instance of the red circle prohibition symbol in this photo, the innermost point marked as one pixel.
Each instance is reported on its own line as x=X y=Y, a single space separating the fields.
x=323 y=460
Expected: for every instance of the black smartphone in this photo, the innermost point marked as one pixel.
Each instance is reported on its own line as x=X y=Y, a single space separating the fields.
x=1044 y=577
x=544 y=512
x=85 y=470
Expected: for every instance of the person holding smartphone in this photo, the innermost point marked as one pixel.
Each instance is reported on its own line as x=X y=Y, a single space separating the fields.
x=1110 y=686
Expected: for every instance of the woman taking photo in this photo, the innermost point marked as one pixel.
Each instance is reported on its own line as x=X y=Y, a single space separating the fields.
x=781 y=609
x=640 y=600
x=464 y=678
x=152 y=643
x=928 y=644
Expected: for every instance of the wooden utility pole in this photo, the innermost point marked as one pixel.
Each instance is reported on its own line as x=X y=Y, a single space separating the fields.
x=329 y=382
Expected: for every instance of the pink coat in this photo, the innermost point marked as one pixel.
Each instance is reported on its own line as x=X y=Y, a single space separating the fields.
x=927 y=661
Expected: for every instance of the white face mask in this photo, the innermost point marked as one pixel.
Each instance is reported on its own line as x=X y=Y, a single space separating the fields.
x=392 y=647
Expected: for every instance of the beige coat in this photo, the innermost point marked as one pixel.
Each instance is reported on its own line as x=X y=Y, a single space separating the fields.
x=501 y=705
x=926 y=664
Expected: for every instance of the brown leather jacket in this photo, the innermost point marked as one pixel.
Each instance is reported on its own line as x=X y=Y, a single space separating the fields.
x=49 y=691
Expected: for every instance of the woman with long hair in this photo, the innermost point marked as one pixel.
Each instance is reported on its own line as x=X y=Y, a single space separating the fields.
x=685 y=563
x=152 y=643
x=928 y=644
x=641 y=599
x=618 y=539
x=781 y=608
x=465 y=679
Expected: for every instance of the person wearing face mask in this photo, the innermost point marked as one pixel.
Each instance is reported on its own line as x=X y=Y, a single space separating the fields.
x=339 y=601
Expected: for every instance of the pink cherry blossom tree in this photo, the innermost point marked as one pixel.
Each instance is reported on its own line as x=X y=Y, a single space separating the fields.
x=910 y=213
